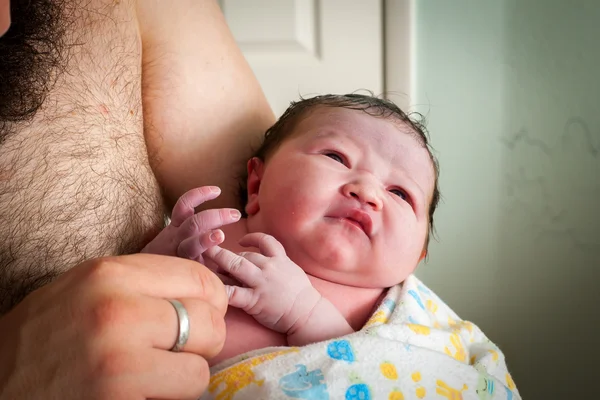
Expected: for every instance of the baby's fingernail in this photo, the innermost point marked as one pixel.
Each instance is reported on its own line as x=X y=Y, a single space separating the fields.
x=235 y=214
x=214 y=189
x=216 y=236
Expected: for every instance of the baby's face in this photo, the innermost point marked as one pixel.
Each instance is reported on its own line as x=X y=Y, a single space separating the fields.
x=348 y=197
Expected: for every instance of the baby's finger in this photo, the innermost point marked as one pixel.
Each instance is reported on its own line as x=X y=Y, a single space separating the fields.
x=208 y=220
x=240 y=297
x=255 y=258
x=185 y=206
x=193 y=247
x=228 y=280
x=267 y=244
x=235 y=265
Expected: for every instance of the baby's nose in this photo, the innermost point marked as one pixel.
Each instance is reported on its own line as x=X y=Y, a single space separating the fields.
x=365 y=193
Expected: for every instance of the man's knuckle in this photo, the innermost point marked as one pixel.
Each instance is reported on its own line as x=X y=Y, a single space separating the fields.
x=201 y=278
x=105 y=270
x=209 y=286
x=198 y=369
x=107 y=313
x=115 y=363
x=220 y=298
x=215 y=332
x=108 y=390
x=218 y=326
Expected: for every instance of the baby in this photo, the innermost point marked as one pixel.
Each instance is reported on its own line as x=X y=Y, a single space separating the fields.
x=339 y=204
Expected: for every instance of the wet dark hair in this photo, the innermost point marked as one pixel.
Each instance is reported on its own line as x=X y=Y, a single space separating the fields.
x=31 y=55
x=369 y=104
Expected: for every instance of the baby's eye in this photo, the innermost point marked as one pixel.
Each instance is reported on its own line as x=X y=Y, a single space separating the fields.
x=400 y=193
x=336 y=157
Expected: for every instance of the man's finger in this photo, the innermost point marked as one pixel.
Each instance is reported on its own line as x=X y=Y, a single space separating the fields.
x=206 y=326
x=171 y=375
x=157 y=276
x=185 y=206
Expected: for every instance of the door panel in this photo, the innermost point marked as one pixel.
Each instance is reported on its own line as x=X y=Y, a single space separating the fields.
x=309 y=47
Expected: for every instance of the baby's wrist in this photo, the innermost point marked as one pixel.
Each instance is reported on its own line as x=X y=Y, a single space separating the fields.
x=304 y=308
x=323 y=323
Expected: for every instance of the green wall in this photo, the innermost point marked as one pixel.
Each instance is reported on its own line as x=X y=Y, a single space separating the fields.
x=511 y=90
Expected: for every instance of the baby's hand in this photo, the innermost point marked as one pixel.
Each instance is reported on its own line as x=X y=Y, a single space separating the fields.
x=276 y=292
x=190 y=234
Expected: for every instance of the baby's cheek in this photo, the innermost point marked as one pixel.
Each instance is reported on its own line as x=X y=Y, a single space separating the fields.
x=401 y=252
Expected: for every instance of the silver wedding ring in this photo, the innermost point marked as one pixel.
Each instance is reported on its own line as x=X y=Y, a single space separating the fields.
x=184 y=325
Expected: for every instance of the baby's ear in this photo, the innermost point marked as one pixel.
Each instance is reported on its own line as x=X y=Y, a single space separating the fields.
x=255 y=174
x=423 y=254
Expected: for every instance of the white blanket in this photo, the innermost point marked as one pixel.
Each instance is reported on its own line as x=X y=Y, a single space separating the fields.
x=413 y=347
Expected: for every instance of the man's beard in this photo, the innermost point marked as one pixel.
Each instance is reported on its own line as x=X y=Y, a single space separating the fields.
x=32 y=54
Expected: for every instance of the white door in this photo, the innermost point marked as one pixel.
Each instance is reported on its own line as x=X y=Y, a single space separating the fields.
x=309 y=47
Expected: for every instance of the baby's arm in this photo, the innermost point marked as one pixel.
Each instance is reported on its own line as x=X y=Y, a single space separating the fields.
x=277 y=292
x=323 y=322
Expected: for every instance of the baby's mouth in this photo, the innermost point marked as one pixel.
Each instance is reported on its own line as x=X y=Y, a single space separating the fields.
x=357 y=218
x=353 y=222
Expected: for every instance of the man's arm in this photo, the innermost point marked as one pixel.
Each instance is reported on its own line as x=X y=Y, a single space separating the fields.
x=203 y=107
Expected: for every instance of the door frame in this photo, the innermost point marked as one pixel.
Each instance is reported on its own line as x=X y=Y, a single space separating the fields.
x=399 y=51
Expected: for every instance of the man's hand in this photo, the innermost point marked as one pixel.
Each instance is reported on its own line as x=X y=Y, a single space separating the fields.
x=276 y=292
x=190 y=234
x=104 y=330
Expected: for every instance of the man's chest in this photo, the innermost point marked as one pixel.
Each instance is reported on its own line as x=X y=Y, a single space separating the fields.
x=86 y=98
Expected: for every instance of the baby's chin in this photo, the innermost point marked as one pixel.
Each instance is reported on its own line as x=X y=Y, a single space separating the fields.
x=357 y=278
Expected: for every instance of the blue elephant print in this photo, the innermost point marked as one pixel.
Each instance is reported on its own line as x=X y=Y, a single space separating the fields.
x=303 y=384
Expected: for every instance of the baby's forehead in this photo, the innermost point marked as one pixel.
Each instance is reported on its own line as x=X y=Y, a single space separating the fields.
x=323 y=115
x=386 y=140
x=385 y=134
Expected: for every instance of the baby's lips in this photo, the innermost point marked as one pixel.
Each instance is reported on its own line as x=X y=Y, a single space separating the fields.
x=360 y=217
